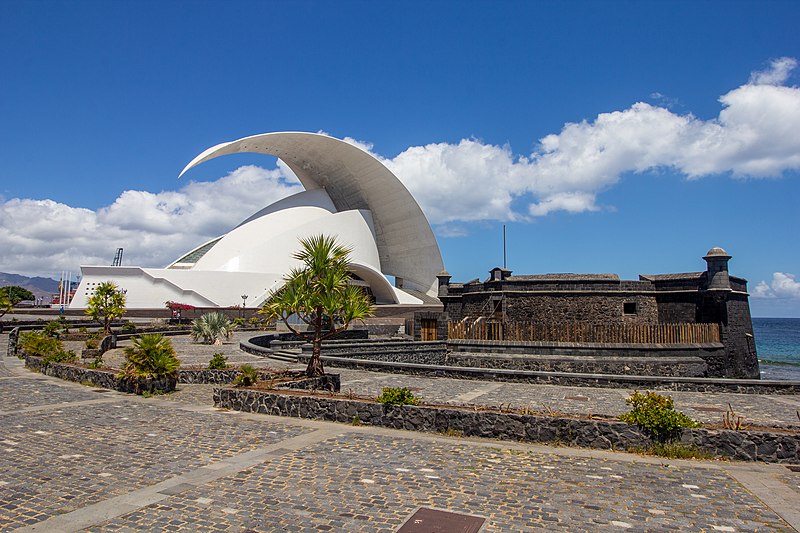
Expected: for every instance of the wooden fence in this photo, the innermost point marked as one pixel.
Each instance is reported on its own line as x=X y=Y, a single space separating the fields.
x=684 y=333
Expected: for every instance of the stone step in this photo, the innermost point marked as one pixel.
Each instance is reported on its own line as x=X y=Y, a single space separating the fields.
x=674 y=366
x=289 y=356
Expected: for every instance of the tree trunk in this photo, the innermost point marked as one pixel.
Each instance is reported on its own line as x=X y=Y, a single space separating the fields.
x=315 y=364
x=314 y=368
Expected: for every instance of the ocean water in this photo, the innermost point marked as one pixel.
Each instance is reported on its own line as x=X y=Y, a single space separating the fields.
x=778 y=347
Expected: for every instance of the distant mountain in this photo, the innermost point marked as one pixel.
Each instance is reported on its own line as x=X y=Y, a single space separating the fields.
x=40 y=287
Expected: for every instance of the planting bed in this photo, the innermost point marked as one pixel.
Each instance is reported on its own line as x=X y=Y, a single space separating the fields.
x=768 y=446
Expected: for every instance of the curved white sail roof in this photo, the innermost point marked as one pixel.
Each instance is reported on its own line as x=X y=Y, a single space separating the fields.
x=355 y=180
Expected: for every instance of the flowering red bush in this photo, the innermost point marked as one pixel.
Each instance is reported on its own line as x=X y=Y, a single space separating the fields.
x=175 y=306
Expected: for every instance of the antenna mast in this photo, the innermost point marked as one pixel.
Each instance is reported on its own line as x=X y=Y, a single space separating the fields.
x=504 y=246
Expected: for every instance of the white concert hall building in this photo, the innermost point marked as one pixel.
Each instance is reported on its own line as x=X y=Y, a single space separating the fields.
x=348 y=194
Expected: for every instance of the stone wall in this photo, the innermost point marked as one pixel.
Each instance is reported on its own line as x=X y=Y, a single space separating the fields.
x=13 y=342
x=679 y=307
x=265 y=341
x=590 y=308
x=602 y=434
x=216 y=377
x=100 y=378
x=108 y=378
x=432 y=353
x=27 y=325
x=587 y=348
x=665 y=383
x=737 y=335
x=693 y=360
x=641 y=366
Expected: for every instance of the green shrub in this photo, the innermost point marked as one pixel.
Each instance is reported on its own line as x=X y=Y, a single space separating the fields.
x=254 y=321
x=248 y=375
x=150 y=356
x=82 y=329
x=92 y=344
x=52 y=328
x=656 y=414
x=397 y=396
x=218 y=362
x=39 y=344
x=674 y=450
x=238 y=322
x=61 y=356
x=129 y=326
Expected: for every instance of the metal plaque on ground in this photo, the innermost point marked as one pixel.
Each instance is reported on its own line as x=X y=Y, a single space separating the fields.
x=427 y=520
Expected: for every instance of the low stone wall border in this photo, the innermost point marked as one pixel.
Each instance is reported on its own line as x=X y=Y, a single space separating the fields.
x=108 y=378
x=100 y=378
x=742 y=386
x=602 y=434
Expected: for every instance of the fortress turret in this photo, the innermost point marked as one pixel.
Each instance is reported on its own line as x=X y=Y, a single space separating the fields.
x=717 y=261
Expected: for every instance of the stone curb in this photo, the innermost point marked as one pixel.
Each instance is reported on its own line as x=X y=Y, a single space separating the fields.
x=742 y=386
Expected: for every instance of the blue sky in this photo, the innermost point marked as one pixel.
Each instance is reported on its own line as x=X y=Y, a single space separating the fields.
x=624 y=137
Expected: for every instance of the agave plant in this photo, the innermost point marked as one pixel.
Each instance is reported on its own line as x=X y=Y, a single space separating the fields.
x=212 y=328
x=151 y=356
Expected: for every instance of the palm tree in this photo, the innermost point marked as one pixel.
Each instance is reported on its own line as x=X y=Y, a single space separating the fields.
x=212 y=328
x=320 y=295
x=151 y=356
x=106 y=304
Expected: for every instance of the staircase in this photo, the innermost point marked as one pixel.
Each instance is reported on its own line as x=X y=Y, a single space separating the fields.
x=287 y=355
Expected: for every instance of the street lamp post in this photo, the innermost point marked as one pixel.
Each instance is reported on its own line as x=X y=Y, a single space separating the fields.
x=244 y=304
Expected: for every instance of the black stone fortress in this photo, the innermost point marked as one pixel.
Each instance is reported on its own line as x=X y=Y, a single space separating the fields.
x=688 y=324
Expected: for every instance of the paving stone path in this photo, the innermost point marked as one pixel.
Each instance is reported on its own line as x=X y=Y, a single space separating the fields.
x=80 y=458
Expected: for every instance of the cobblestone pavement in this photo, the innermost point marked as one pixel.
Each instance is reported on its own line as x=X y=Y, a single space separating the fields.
x=195 y=354
x=380 y=480
x=73 y=458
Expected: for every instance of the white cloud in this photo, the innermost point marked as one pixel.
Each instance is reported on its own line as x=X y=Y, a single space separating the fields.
x=777 y=73
x=783 y=285
x=466 y=182
x=754 y=136
x=572 y=202
x=43 y=237
x=451 y=230
x=762 y=290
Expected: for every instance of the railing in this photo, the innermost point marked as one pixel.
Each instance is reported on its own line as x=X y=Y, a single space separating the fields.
x=684 y=333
